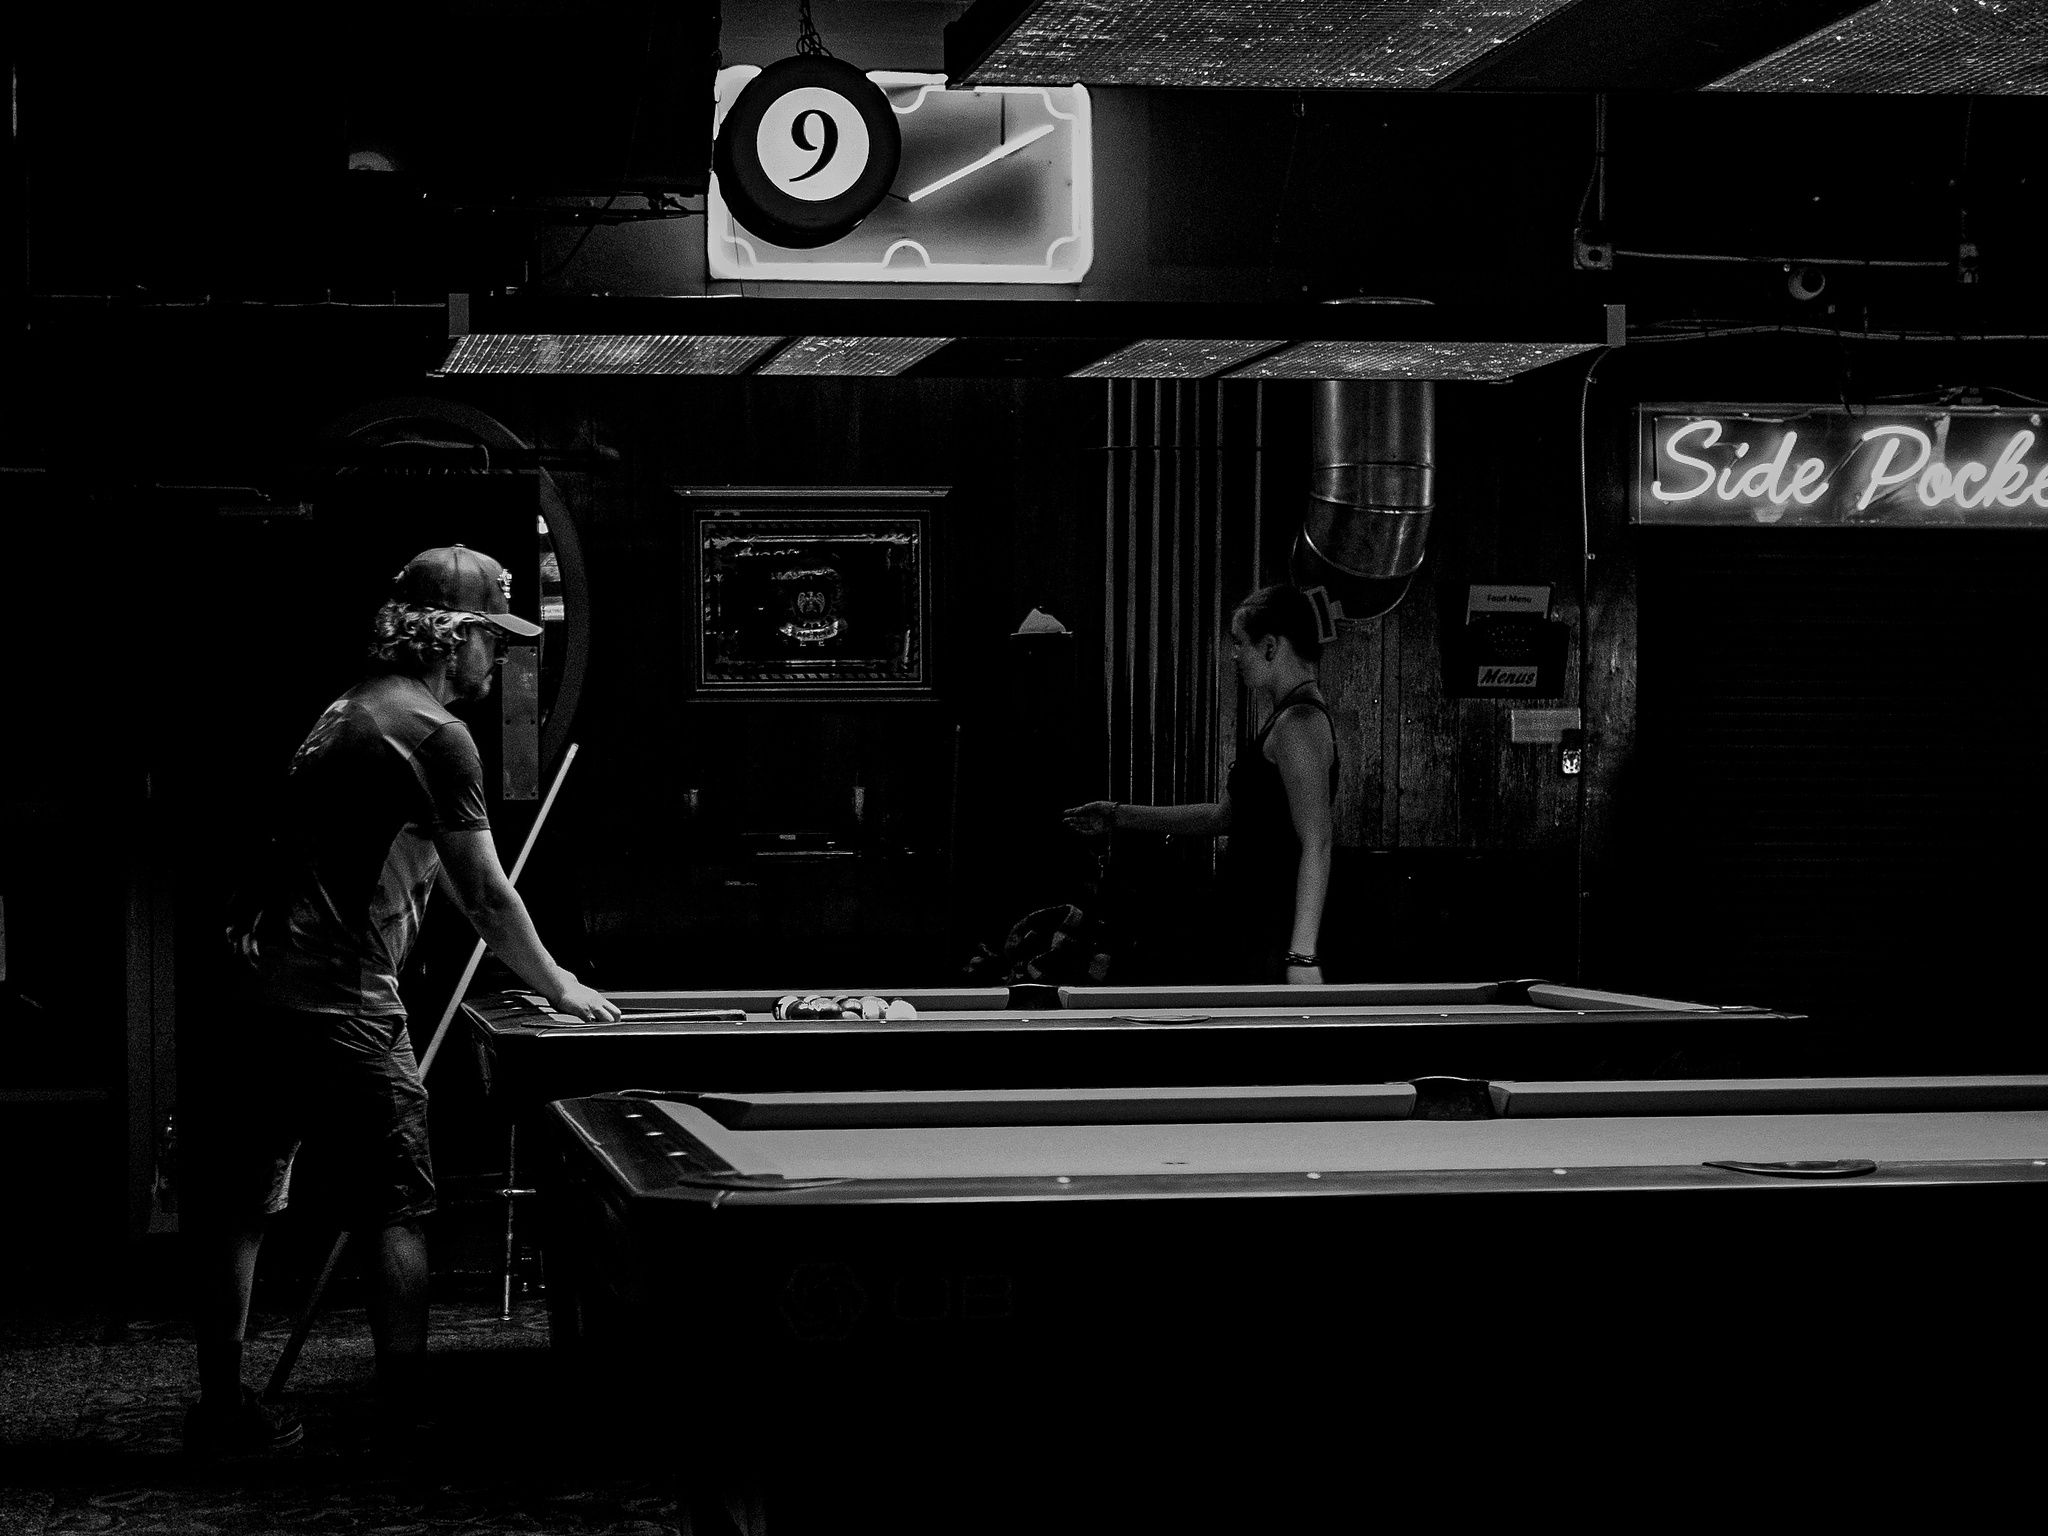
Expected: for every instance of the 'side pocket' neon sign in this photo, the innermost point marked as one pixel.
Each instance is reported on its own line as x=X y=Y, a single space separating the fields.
x=1807 y=465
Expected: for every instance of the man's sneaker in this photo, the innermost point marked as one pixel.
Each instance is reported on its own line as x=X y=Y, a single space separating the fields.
x=245 y=1428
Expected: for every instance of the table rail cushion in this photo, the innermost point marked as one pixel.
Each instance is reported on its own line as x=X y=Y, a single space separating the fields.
x=1797 y=1095
x=1584 y=999
x=1071 y=1106
x=762 y=1000
x=1362 y=994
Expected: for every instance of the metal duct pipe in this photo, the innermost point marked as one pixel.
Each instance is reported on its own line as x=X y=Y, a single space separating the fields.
x=1373 y=475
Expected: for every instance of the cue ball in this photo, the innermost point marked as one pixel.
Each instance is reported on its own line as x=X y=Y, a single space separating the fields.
x=899 y=1010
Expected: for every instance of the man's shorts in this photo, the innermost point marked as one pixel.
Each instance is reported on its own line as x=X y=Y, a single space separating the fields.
x=332 y=1102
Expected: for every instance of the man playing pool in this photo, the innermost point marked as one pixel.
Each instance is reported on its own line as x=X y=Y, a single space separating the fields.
x=385 y=796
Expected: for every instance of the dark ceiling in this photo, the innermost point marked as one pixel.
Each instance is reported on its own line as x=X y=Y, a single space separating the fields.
x=1914 y=47
x=1977 y=47
x=1715 y=156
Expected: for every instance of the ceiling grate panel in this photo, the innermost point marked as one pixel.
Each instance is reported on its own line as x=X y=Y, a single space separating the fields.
x=1253 y=44
x=641 y=356
x=1914 y=47
x=1482 y=361
x=865 y=357
x=1175 y=359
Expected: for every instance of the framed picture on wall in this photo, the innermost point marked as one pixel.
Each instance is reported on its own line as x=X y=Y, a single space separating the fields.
x=809 y=593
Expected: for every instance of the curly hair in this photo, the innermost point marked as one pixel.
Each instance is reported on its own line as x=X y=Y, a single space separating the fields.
x=417 y=640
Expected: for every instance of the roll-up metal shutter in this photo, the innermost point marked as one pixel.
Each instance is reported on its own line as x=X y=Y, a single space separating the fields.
x=1837 y=799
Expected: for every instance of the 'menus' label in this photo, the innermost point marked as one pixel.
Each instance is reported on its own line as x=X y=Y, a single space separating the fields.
x=1506 y=677
x=1511 y=655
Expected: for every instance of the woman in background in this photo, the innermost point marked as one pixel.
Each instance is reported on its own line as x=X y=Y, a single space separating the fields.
x=1277 y=800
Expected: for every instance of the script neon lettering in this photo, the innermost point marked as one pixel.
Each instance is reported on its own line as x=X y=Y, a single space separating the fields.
x=1778 y=474
x=2003 y=484
x=1809 y=471
x=1880 y=476
x=1764 y=479
x=1722 y=488
x=2008 y=483
x=1713 y=431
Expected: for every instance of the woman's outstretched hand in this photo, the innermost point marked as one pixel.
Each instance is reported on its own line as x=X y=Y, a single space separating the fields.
x=1095 y=819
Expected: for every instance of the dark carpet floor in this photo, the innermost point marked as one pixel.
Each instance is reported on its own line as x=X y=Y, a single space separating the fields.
x=91 y=1410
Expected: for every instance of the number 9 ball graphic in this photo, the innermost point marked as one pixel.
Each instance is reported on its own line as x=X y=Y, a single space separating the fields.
x=807 y=151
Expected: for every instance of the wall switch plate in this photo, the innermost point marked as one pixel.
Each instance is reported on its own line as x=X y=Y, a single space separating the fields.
x=1571 y=752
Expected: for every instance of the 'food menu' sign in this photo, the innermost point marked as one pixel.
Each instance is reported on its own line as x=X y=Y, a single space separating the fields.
x=1918 y=467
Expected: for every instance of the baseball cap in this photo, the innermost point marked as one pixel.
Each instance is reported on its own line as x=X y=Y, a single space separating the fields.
x=463 y=580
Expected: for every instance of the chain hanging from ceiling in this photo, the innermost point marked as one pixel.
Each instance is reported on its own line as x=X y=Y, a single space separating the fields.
x=809 y=44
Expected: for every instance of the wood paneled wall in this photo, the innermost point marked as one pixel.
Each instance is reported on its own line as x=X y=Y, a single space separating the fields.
x=1456 y=845
x=1137 y=512
x=1422 y=769
x=1183 y=520
x=960 y=791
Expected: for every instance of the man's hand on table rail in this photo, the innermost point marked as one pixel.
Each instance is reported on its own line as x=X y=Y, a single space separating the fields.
x=586 y=1003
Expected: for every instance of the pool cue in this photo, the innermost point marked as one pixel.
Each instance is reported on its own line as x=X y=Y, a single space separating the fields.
x=476 y=955
x=281 y=1373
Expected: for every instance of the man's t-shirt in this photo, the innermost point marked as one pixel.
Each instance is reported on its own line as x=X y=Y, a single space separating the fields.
x=353 y=862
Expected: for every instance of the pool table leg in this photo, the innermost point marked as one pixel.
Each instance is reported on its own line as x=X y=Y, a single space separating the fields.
x=512 y=1195
x=560 y=1280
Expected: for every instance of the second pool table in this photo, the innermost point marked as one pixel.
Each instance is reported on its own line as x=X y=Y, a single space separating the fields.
x=1284 y=1306
x=1102 y=1036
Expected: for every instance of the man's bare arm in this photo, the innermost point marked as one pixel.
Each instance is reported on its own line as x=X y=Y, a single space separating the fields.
x=476 y=880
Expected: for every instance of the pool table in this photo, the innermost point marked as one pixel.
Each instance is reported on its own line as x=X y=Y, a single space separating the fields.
x=1043 y=1036
x=1101 y=1036
x=1130 y=1291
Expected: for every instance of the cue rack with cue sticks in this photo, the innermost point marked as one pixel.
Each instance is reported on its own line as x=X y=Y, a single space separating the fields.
x=293 y=1345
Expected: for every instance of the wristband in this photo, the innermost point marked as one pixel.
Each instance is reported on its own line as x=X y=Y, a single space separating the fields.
x=1295 y=957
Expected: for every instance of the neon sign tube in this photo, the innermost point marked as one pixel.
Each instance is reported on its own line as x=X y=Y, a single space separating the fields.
x=1880 y=477
x=1702 y=461
x=1760 y=480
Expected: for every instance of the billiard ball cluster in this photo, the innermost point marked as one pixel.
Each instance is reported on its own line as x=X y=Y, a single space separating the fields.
x=820 y=1006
